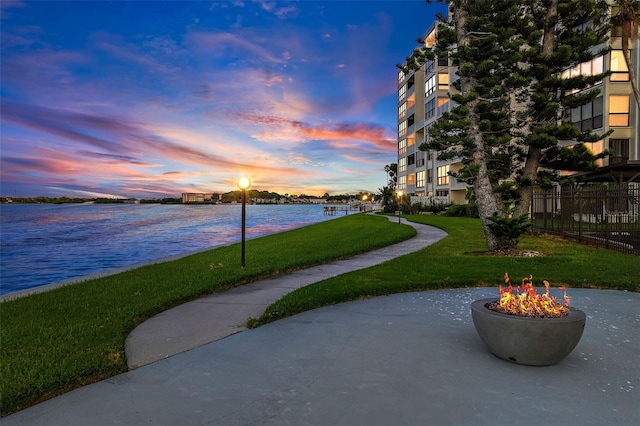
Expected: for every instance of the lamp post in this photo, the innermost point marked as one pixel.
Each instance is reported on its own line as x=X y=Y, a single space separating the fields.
x=243 y=183
x=364 y=202
x=399 y=208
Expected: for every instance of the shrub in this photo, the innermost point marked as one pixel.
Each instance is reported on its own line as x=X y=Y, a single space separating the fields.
x=462 y=210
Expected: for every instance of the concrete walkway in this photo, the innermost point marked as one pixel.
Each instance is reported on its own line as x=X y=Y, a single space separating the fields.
x=220 y=315
x=404 y=359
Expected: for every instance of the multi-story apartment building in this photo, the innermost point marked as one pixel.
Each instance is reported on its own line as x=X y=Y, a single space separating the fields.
x=423 y=96
x=616 y=110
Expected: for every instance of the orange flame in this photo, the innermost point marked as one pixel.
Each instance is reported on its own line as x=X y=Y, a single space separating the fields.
x=526 y=301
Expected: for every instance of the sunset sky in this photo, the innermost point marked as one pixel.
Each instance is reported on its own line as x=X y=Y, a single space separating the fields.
x=151 y=99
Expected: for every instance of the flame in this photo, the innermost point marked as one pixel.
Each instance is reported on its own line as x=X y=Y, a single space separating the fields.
x=526 y=301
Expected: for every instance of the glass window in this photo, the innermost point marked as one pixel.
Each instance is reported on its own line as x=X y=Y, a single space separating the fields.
x=620 y=150
x=592 y=67
x=431 y=109
x=402 y=183
x=430 y=86
x=430 y=67
x=619 y=110
x=619 y=70
x=402 y=129
x=402 y=92
x=411 y=179
x=402 y=146
x=401 y=76
x=430 y=39
x=598 y=113
x=443 y=175
x=443 y=81
x=402 y=110
x=411 y=160
x=589 y=116
x=402 y=164
x=420 y=179
x=598 y=65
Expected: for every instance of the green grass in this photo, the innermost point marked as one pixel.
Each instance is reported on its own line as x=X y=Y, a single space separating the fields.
x=455 y=261
x=55 y=341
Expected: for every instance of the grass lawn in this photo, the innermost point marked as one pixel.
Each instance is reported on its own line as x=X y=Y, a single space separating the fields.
x=455 y=261
x=55 y=341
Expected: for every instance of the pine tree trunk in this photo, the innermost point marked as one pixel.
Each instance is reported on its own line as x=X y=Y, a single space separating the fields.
x=483 y=189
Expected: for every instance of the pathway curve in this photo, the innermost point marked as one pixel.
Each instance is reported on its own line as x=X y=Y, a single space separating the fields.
x=222 y=314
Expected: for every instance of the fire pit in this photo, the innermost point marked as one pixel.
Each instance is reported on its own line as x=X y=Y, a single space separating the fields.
x=526 y=327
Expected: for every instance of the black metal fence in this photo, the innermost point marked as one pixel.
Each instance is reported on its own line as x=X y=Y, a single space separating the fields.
x=601 y=216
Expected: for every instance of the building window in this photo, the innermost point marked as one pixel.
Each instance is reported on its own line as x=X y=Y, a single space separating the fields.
x=429 y=175
x=419 y=158
x=402 y=129
x=430 y=86
x=411 y=140
x=618 y=66
x=443 y=61
x=402 y=110
x=619 y=151
x=443 y=175
x=402 y=146
x=592 y=67
x=442 y=193
x=430 y=39
x=402 y=183
x=420 y=179
x=618 y=110
x=402 y=92
x=430 y=67
x=589 y=116
x=411 y=160
x=401 y=76
x=431 y=109
x=402 y=165
x=411 y=179
x=443 y=81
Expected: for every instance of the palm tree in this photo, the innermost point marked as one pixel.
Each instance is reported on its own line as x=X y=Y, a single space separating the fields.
x=626 y=16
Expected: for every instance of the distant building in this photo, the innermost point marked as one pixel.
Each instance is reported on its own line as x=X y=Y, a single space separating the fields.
x=196 y=197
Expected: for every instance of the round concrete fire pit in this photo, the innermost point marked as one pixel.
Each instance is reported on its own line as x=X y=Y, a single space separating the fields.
x=524 y=340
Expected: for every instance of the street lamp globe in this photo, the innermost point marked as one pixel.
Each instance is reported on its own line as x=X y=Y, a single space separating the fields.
x=244 y=183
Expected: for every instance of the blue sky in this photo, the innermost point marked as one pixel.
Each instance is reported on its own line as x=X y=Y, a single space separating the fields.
x=151 y=99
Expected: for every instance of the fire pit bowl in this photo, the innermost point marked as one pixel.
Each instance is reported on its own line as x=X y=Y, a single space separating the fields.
x=525 y=340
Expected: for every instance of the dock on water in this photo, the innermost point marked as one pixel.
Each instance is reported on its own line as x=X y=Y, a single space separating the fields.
x=333 y=210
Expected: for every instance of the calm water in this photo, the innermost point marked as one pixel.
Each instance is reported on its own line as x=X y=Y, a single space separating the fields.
x=45 y=243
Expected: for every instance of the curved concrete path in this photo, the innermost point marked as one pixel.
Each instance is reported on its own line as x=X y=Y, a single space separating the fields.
x=222 y=314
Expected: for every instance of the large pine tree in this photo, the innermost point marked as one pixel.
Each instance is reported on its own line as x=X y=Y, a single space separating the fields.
x=511 y=100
